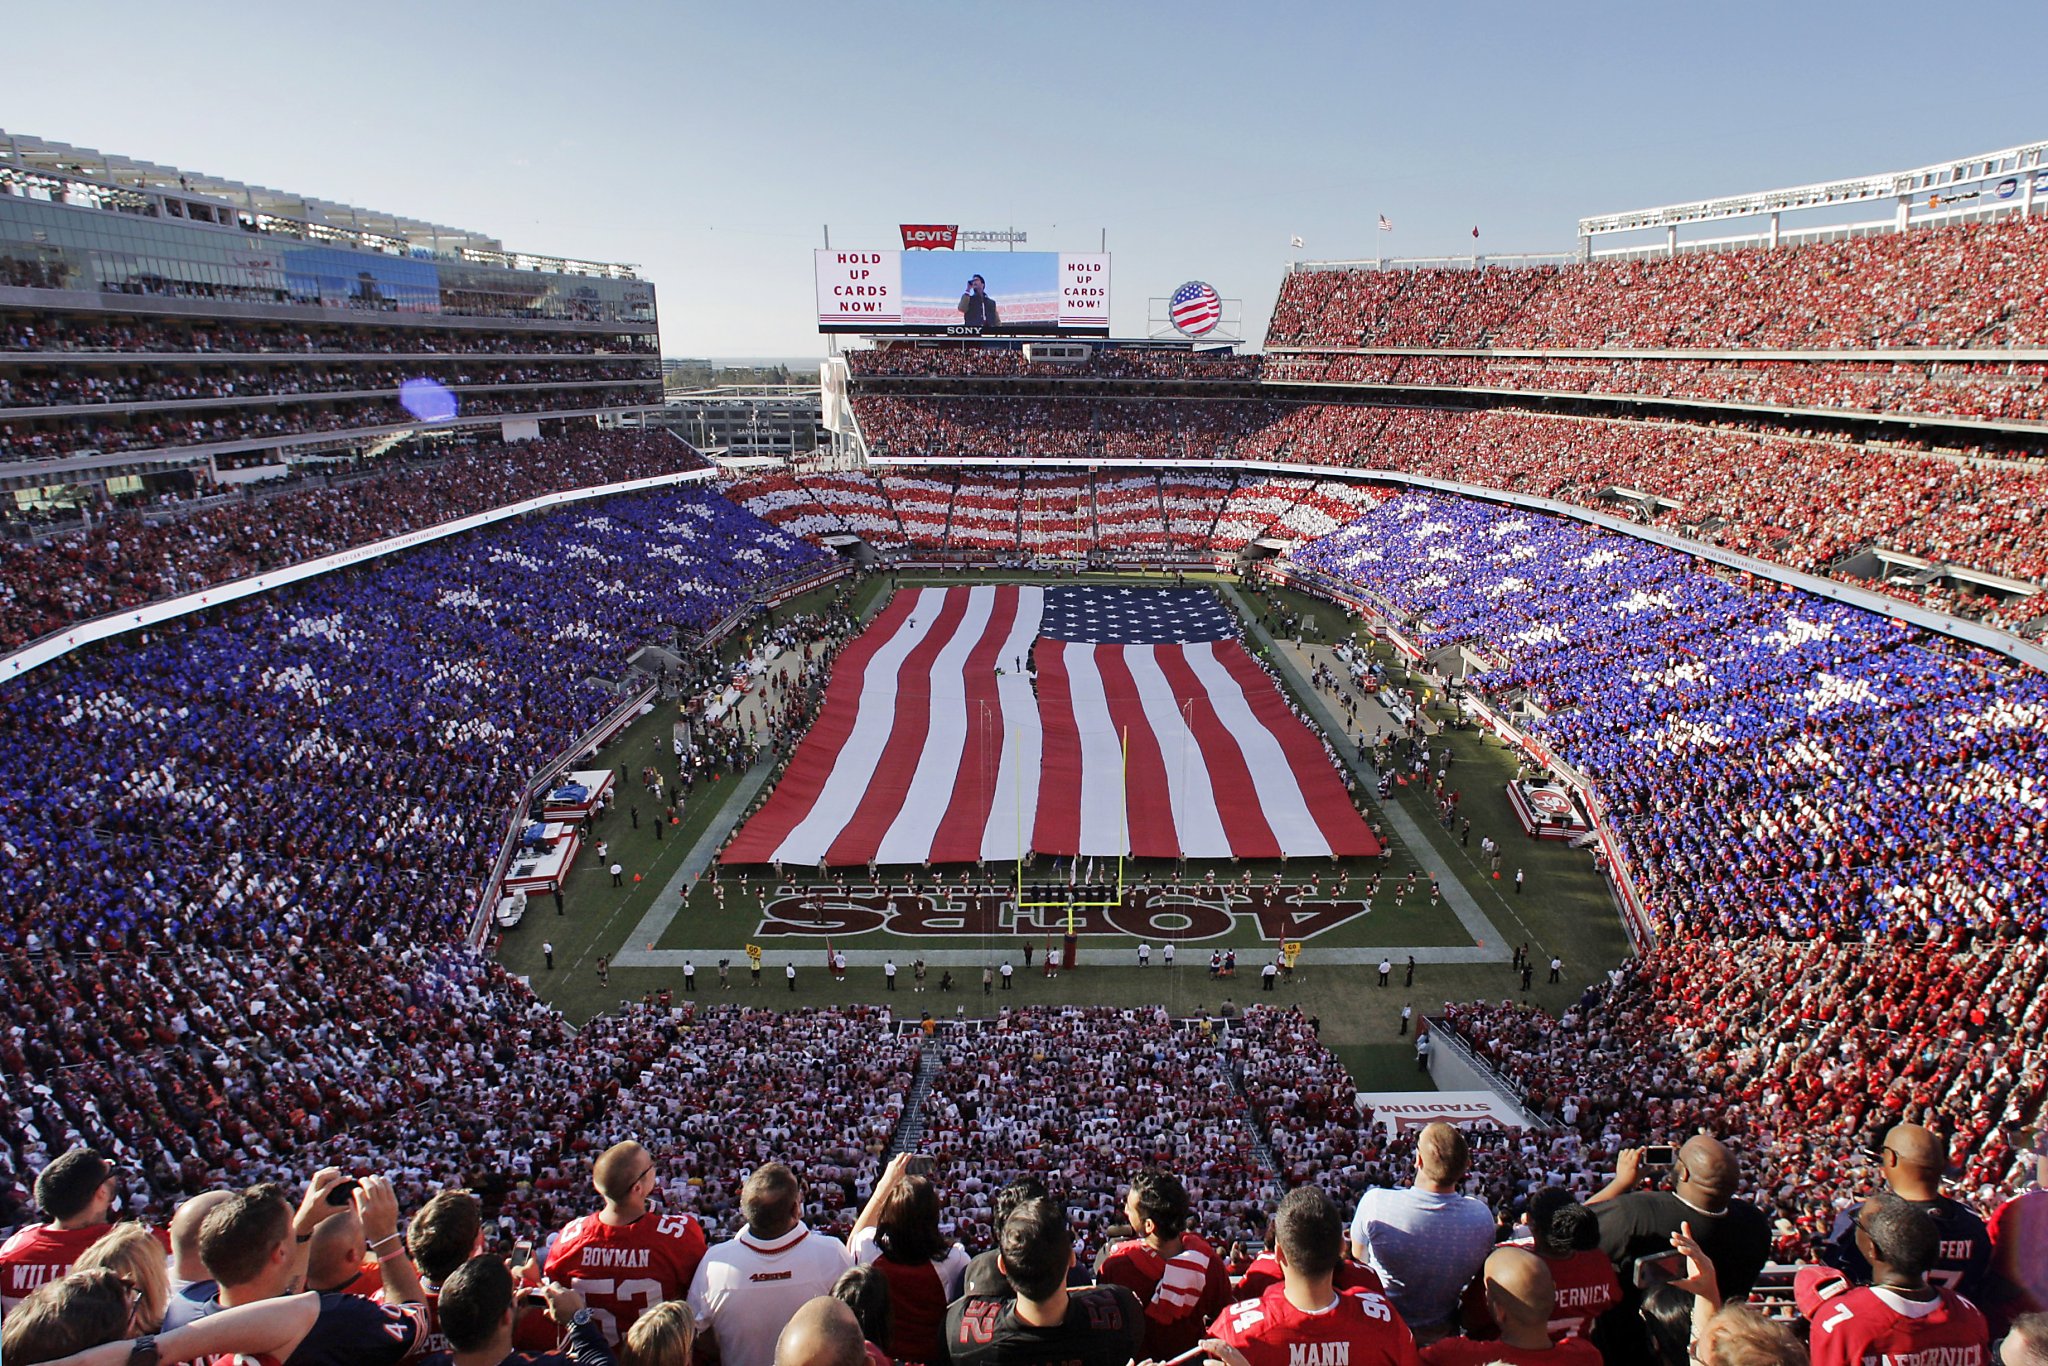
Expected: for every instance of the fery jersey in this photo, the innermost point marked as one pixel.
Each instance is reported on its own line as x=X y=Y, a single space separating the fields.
x=1961 y=1263
x=351 y=1331
x=1180 y=1293
x=1359 y=1328
x=1265 y=1271
x=1872 y=1327
x=1103 y=1327
x=1466 y=1352
x=625 y=1270
x=39 y=1254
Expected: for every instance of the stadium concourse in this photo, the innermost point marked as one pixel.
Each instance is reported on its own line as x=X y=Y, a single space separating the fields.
x=253 y=849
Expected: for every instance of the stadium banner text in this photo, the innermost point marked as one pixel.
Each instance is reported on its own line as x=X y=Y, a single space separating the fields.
x=1014 y=293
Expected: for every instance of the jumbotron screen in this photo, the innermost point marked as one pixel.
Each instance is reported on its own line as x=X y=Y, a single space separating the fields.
x=973 y=293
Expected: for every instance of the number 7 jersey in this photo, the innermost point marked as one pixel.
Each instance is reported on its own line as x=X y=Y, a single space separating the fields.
x=625 y=1270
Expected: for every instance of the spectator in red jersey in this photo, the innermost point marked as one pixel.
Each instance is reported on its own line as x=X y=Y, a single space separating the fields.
x=625 y=1259
x=1520 y=1297
x=1899 y=1316
x=898 y=1232
x=1179 y=1277
x=75 y=1194
x=476 y=1312
x=1307 y=1317
x=1566 y=1235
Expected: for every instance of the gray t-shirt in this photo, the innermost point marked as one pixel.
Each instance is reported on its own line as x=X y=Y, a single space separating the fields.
x=1425 y=1247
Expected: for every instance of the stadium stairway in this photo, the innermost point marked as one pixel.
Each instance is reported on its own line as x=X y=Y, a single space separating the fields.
x=1234 y=1069
x=910 y=1127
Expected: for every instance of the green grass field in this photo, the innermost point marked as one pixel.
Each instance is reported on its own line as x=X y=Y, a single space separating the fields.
x=1565 y=909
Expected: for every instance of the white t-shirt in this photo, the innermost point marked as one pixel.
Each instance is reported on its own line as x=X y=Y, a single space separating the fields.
x=746 y=1291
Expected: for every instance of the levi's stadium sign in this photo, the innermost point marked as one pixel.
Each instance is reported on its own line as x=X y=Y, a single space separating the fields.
x=947 y=236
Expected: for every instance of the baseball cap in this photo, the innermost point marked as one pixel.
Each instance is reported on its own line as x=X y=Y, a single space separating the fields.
x=68 y=1184
x=1814 y=1286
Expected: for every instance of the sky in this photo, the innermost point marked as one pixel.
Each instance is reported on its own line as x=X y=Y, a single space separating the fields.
x=712 y=145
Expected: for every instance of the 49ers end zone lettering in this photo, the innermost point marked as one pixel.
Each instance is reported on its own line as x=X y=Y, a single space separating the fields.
x=1145 y=914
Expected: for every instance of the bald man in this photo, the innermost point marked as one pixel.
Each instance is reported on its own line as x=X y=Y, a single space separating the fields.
x=1521 y=1295
x=1637 y=1224
x=1911 y=1164
x=626 y=1258
x=822 y=1332
x=1427 y=1241
x=192 y=1289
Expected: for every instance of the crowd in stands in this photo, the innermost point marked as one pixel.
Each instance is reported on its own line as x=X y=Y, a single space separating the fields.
x=72 y=385
x=1803 y=502
x=49 y=438
x=686 y=1146
x=123 y=561
x=1977 y=285
x=66 y=332
x=1103 y=362
x=1043 y=514
x=1774 y=763
x=342 y=753
x=1797 y=1053
x=1991 y=391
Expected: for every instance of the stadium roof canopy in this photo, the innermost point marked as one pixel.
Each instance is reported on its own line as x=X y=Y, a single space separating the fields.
x=272 y=209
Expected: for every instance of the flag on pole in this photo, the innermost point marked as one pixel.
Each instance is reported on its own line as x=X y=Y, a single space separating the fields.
x=1386 y=223
x=1296 y=242
x=1475 y=231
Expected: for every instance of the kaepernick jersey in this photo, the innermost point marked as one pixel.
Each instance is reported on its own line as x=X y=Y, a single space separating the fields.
x=1586 y=1288
x=351 y=1331
x=1265 y=1271
x=1180 y=1293
x=626 y=1270
x=1871 y=1327
x=39 y=1254
x=1359 y=1328
x=1466 y=1352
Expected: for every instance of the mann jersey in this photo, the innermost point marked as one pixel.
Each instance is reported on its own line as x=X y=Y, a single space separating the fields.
x=1104 y=1326
x=351 y=1331
x=1872 y=1327
x=1357 y=1328
x=39 y=1254
x=1180 y=1294
x=627 y=1269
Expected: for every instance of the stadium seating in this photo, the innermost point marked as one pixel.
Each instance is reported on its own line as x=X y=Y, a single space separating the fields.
x=338 y=757
x=1777 y=764
x=123 y=561
x=1979 y=285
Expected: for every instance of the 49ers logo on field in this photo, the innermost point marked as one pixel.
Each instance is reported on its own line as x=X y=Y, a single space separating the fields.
x=1144 y=914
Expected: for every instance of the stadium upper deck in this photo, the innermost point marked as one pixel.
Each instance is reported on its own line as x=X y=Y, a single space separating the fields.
x=153 y=319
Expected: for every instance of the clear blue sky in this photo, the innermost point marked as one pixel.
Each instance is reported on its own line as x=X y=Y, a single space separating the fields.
x=710 y=143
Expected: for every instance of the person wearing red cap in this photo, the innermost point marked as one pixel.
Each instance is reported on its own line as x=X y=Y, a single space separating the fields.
x=1899 y=1316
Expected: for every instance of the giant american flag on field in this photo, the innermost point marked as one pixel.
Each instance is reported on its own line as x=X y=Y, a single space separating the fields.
x=1146 y=729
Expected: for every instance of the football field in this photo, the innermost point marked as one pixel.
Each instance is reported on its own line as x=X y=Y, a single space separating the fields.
x=671 y=910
